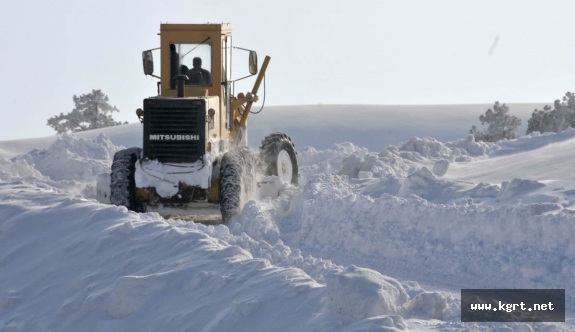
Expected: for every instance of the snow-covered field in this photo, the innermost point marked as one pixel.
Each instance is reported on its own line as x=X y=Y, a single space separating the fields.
x=383 y=232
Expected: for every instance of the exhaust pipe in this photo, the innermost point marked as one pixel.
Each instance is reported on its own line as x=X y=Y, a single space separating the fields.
x=180 y=83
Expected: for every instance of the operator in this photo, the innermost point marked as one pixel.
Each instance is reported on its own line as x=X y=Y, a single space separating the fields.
x=198 y=75
x=184 y=71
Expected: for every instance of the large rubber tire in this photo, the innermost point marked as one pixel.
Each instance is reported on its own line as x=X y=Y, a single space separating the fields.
x=122 y=182
x=279 y=157
x=237 y=175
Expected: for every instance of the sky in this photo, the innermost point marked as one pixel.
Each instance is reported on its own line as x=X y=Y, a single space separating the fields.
x=391 y=52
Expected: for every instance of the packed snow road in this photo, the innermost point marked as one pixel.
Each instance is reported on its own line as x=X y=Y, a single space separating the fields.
x=369 y=241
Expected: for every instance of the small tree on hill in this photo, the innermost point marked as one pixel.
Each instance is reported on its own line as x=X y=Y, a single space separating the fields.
x=91 y=111
x=479 y=136
x=556 y=119
x=501 y=124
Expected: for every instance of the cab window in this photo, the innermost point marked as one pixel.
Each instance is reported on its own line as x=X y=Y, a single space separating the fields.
x=194 y=61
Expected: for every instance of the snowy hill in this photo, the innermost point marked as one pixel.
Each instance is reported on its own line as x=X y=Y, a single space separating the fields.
x=375 y=238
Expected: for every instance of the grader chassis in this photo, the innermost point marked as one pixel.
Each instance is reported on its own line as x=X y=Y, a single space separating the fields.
x=195 y=153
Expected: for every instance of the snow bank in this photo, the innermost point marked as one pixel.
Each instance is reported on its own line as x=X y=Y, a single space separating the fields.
x=454 y=151
x=483 y=246
x=423 y=167
x=330 y=160
x=396 y=162
x=18 y=169
x=532 y=142
x=426 y=147
x=70 y=164
x=468 y=146
x=72 y=158
x=81 y=266
x=72 y=265
x=389 y=210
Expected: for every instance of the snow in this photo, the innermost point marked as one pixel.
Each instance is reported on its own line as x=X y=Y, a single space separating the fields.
x=166 y=177
x=378 y=239
x=440 y=167
x=84 y=158
x=362 y=293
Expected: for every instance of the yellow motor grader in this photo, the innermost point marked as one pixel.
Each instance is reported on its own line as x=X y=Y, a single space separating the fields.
x=195 y=150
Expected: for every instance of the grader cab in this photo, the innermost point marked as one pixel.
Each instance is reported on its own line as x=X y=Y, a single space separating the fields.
x=194 y=150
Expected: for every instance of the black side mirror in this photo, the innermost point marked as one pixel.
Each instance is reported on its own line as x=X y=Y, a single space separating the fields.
x=148 y=61
x=253 y=62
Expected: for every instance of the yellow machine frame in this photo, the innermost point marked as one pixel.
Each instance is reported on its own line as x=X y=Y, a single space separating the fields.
x=229 y=129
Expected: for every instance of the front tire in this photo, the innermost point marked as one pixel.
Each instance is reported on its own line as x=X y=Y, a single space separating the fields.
x=122 y=180
x=236 y=181
x=279 y=158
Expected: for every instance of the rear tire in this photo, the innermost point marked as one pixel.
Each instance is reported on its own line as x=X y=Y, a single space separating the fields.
x=236 y=181
x=122 y=180
x=279 y=158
